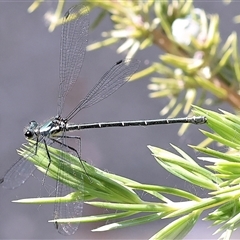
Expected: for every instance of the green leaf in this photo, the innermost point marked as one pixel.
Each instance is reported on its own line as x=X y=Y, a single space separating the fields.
x=179 y=228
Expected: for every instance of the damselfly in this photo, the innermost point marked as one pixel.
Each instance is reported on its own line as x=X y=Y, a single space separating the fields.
x=74 y=39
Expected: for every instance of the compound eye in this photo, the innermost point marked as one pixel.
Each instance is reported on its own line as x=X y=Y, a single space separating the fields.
x=33 y=124
x=29 y=134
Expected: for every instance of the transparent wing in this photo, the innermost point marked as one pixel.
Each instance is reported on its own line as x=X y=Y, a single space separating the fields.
x=66 y=210
x=70 y=209
x=18 y=173
x=72 y=50
x=21 y=170
x=110 y=82
x=73 y=47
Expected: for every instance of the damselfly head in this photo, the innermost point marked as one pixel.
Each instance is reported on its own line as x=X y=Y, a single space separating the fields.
x=29 y=131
